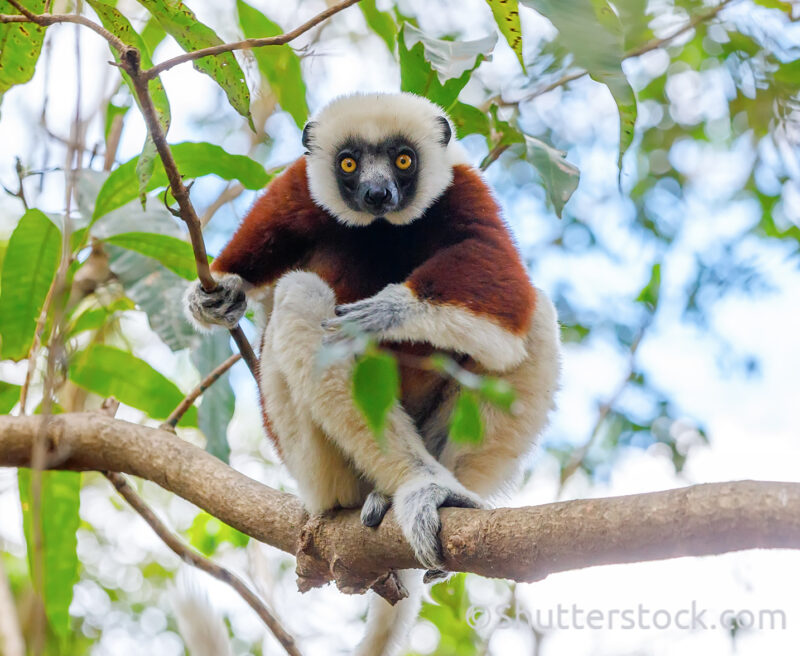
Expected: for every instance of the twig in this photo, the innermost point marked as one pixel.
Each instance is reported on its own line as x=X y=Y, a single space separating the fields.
x=578 y=456
x=247 y=44
x=190 y=556
x=191 y=397
x=228 y=194
x=20 y=193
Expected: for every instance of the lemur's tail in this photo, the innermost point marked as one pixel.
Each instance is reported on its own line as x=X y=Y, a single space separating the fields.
x=387 y=625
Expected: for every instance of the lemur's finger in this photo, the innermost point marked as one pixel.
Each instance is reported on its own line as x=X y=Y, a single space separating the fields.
x=460 y=500
x=374 y=509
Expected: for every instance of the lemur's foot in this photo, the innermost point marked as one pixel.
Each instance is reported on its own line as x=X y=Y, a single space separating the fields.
x=417 y=504
x=435 y=575
x=375 y=508
x=224 y=305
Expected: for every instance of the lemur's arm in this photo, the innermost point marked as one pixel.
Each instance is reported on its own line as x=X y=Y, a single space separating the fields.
x=273 y=237
x=473 y=297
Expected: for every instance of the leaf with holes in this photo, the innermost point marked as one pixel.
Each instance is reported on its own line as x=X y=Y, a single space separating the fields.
x=20 y=46
x=193 y=159
x=376 y=384
x=175 y=254
x=279 y=64
x=560 y=178
x=60 y=505
x=29 y=267
x=466 y=423
x=182 y=25
x=506 y=15
x=108 y=371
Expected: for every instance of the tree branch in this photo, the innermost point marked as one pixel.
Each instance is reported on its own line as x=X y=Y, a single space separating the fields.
x=524 y=544
x=190 y=556
x=247 y=44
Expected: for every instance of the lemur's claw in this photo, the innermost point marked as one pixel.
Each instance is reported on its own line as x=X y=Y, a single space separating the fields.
x=374 y=509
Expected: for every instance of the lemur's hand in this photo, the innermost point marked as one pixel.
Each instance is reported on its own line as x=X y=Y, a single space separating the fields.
x=375 y=508
x=223 y=306
x=376 y=314
x=417 y=504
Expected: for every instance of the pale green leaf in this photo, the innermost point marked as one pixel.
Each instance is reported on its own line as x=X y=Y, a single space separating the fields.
x=28 y=270
x=380 y=22
x=108 y=371
x=560 y=178
x=376 y=384
x=466 y=423
x=175 y=254
x=218 y=401
x=279 y=64
x=60 y=505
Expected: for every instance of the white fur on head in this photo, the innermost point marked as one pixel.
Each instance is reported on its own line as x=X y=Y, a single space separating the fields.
x=376 y=117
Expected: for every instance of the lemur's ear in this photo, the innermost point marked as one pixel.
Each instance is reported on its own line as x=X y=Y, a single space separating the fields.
x=447 y=133
x=308 y=137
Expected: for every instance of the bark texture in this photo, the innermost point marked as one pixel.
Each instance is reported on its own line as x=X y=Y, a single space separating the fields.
x=523 y=544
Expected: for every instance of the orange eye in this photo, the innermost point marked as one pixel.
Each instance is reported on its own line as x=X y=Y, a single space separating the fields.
x=348 y=164
x=403 y=162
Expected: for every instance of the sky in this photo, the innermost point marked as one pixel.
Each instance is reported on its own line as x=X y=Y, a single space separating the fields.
x=752 y=421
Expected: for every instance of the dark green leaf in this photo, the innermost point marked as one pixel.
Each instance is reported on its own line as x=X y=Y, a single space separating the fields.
x=175 y=254
x=108 y=371
x=181 y=24
x=9 y=395
x=193 y=159
x=380 y=22
x=279 y=64
x=506 y=15
x=28 y=270
x=218 y=401
x=466 y=424
x=376 y=384
x=60 y=505
x=560 y=178
x=20 y=45
x=435 y=68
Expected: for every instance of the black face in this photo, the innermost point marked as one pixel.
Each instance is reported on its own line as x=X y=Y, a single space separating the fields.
x=377 y=178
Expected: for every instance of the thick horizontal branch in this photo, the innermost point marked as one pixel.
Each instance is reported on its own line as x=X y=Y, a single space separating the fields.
x=524 y=544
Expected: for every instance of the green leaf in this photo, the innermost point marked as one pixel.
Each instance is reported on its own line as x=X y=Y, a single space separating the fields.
x=20 y=45
x=181 y=24
x=376 y=384
x=112 y=111
x=116 y=23
x=175 y=254
x=218 y=401
x=96 y=318
x=380 y=22
x=592 y=31
x=498 y=392
x=560 y=178
x=466 y=424
x=469 y=120
x=108 y=371
x=506 y=15
x=153 y=34
x=60 y=505
x=9 y=395
x=651 y=291
x=438 y=69
x=29 y=267
x=279 y=64
x=207 y=533
x=193 y=159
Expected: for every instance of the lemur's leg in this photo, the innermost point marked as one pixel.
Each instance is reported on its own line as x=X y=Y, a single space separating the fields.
x=325 y=478
x=402 y=467
x=490 y=466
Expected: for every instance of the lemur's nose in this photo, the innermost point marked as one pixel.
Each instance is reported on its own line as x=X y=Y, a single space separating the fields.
x=376 y=196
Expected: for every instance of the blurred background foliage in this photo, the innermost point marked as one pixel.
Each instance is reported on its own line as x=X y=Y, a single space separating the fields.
x=645 y=153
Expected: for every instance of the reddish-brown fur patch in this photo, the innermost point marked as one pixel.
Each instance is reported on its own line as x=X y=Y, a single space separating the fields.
x=458 y=253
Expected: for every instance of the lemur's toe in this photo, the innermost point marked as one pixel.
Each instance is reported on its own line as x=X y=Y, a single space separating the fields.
x=375 y=508
x=435 y=575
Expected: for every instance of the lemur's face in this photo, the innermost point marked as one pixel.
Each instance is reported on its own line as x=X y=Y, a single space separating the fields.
x=379 y=156
x=376 y=178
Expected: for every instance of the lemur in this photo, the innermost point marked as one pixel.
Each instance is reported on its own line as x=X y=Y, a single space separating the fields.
x=383 y=224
